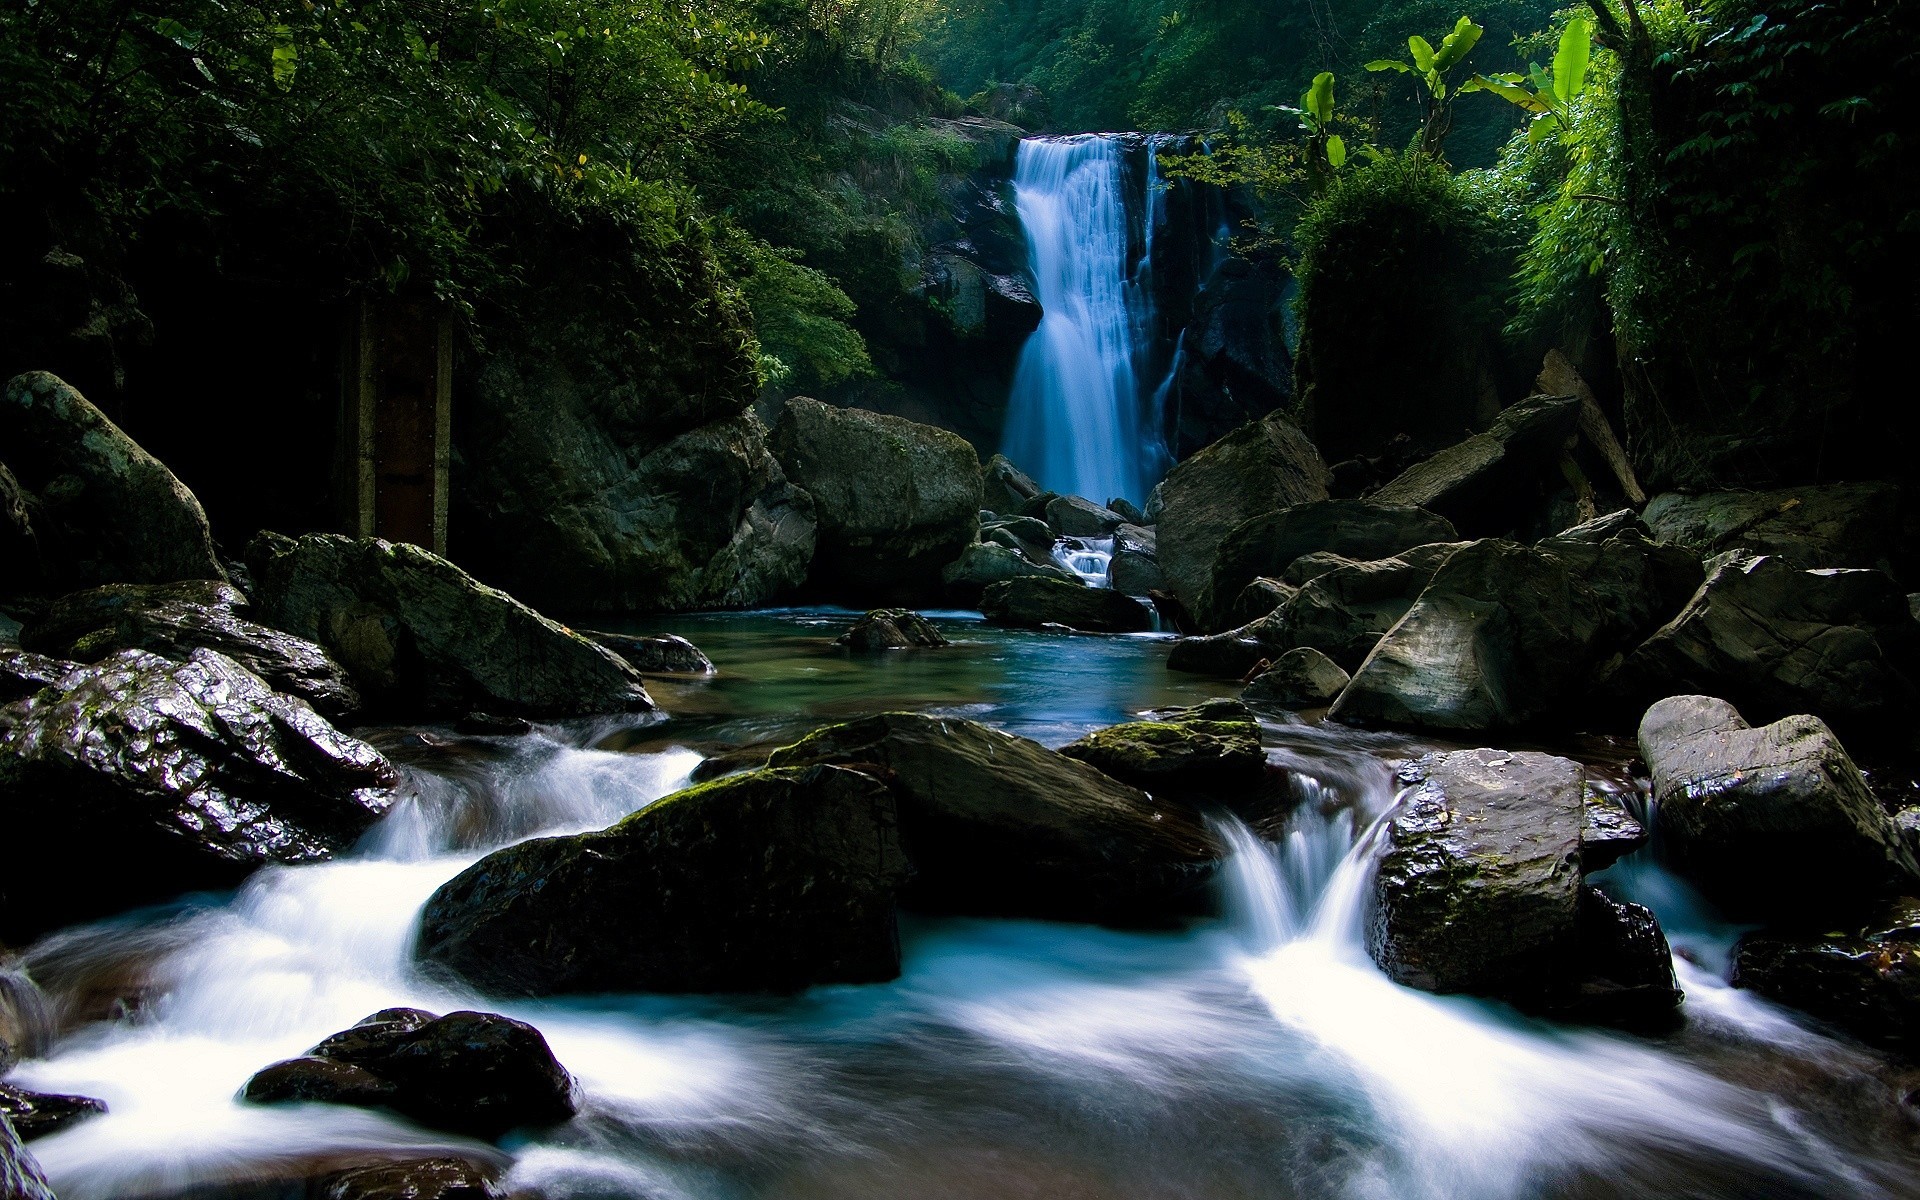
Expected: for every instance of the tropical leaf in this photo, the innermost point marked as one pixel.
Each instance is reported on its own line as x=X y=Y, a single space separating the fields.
x=1389 y=64
x=286 y=60
x=1458 y=44
x=1422 y=53
x=1336 y=150
x=1318 y=99
x=1570 y=62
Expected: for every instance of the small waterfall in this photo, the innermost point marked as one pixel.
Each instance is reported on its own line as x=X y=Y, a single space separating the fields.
x=1074 y=418
x=1089 y=558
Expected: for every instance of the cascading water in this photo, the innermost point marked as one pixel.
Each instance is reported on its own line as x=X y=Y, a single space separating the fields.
x=1074 y=418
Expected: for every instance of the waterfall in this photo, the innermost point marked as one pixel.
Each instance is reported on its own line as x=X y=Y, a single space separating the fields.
x=1074 y=419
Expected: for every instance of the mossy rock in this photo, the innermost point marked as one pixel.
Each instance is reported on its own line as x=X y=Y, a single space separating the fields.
x=1212 y=750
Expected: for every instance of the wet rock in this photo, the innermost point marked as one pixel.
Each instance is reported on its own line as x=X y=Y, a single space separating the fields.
x=1268 y=544
x=1478 y=888
x=175 y=619
x=483 y=724
x=422 y=637
x=654 y=654
x=23 y=673
x=472 y=1073
x=896 y=500
x=105 y=511
x=1836 y=525
x=1209 y=751
x=1027 y=535
x=1775 y=821
x=1608 y=832
x=37 y=1114
x=1033 y=602
x=997 y=825
x=1229 y=655
x=1074 y=516
x=1866 y=980
x=183 y=775
x=20 y=1176
x=891 y=629
x=441 y=1178
x=1300 y=678
x=982 y=566
x=1005 y=488
x=769 y=881
x=1640 y=584
x=1620 y=970
x=1129 y=512
x=1135 y=569
x=1773 y=639
x=1263 y=597
x=1472 y=483
x=1262 y=466
x=1501 y=637
x=1344 y=610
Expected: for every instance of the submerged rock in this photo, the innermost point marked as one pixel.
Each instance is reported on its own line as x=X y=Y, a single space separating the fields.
x=891 y=629
x=1775 y=821
x=37 y=1114
x=982 y=566
x=422 y=637
x=1267 y=545
x=181 y=775
x=1032 y=602
x=105 y=511
x=654 y=654
x=1300 y=678
x=1471 y=483
x=175 y=619
x=1866 y=980
x=997 y=825
x=1262 y=466
x=1836 y=525
x=474 y=1073
x=896 y=500
x=1209 y=751
x=769 y=881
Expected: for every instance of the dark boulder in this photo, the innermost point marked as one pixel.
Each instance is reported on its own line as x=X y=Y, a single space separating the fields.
x=442 y=1178
x=997 y=825
x=1074 y=516
x=473 y=1073
x=422 y=637
x=896 y=500
x=653 y=654
x=1210 y=751
x=1619 y=970
x=1268 y=544
x=768 y=881
x=982 y=566
x=1865 y=980
x=1263 y=597
x=23 y=673
x=1609 y=832
x=1501 y=637
x=891 y=629
x=1262 y=466
x=1473 y=483
x=20 y=1176
x=175 y=619
x=37 y=1114
x=105 y=510
x=180 y=775
x=1774 y=639
x=1005 y=488
x=1129 y=512
x=1300 y=678
x=1836 y=525
x=1229 y=655
x=1025 y=535
x=21 y=570
x=1135 y=569
x=1032 y=602
x=1640 y=584
x=1775 y=821
x=1343 y=611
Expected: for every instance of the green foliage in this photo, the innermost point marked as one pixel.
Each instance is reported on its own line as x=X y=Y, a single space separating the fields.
x=1432 y=66
x=800 y=315
x=1553 y=91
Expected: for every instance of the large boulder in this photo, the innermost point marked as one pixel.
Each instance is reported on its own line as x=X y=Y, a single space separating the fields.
x=896 y=500
x=1208 y=752
x=37 y=1114
x=1835 y=525
x=574 y=517
x=654 y=653
x=175 y=619
x=1479 y=889
x=982 y=565
x=1472 y=483
x=1025 y=535
x=1005 y=488
x=1268 y=544
x=140 y=778
x=473 y=1073
x=105 y=510
x=1300 y=678
x=421 y=636
x=767 y=881
x=1076 y=516
x=1501 y=637
x=1775 y=821
x=891 y=629
x=1135 y=568
x=1034 y=601
x=20 y=1175
x=1774 y=639
x=997 y=825
x=1640 y=584
x=1262 y=466
x=1865 y=979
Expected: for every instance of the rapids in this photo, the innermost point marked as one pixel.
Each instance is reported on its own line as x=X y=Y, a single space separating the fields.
x=1257 y=1055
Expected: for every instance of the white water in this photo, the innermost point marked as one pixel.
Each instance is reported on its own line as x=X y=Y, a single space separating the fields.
x=1259 y=1055
x=1089 y=558
x=1074 y=418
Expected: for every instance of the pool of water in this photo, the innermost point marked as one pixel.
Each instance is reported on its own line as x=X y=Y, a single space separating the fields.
x=1257 y=1054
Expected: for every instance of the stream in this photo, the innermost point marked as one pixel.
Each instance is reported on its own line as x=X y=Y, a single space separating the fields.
x=1260 y=1054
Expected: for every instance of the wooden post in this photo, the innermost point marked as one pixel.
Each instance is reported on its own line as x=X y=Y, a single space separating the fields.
x=399 y=418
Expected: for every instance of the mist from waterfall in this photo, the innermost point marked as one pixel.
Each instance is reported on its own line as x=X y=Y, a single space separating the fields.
x=1074 y=419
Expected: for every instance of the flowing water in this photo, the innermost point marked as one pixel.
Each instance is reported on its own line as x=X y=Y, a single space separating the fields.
x=1074 y=419
x=1260 y=1054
